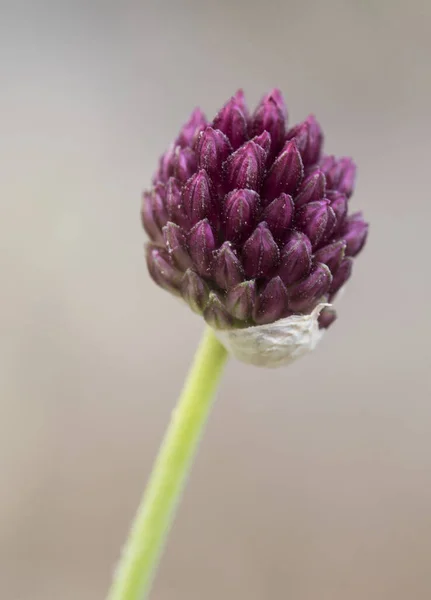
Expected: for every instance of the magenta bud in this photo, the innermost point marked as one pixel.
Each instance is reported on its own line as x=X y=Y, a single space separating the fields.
x=260 y=253
x=232 y=120
x=212 y=149
x=347 y=179
x=153 y=214
x=216 y=315
x=354 y=233
x=331 y=255
x=286 y=173
x=269 y=117
x=327 y=317
x=309 y=139
x=278 y=215
x=241 y=300
x=295 y=260
x=317 y=220
x=304 y=295
x=312 y=188
x=196 y=198
x=272 y=302
x=191 y=129
x=245 y=167
x=194 y=291
x=201 y=247
x=227 y=269
x=174 y=203
x=240 y=212
x=341 y=276
x=184 y=162
x=162 y=270
x=340 y=173
x=176 y=243
x=263 y=140
x=338 y=203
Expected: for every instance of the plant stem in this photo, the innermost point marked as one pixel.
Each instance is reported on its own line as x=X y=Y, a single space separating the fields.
x=134 y=574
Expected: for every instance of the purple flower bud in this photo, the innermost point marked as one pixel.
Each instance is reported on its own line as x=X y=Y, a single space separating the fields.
x=331 y=255
x=327 y=317
x=286 y=173
x=174 y=204
x=201 y=247
x=295 y=260
x=309 y=139
x=232 y=120
x=338 y=203
x=166 y=165
x=317 y=221
x=176 y=244
x=245 y=167
x=312 y=188
x=355 y=233
x=269 y=117
x=212 y=149
x=161 y=269
x=196 y=198
x=184 y=163
x=241 y=300
x=194 y=291
x=347 y=179
x=271 y=302
x=260 y=253
x=304 y=295
x=191 y=129
x=263 y=140
x=240 y=213
x=216 y=315
x=340 y=173
x=341 y=276
x=227 y=270
x=278 y=215
x=153 y=214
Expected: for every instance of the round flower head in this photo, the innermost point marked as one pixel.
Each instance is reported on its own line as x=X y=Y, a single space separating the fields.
x=249 y=224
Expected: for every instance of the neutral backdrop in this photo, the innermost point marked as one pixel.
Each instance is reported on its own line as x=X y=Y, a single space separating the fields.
x=313 y=482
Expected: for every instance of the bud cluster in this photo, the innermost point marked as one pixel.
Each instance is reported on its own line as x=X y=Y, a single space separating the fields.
x=248 y=221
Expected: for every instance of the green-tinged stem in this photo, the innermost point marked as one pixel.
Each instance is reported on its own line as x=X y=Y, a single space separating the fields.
x=143 y=548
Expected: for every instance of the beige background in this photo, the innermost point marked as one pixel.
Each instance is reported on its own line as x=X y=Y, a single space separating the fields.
x=313 y=482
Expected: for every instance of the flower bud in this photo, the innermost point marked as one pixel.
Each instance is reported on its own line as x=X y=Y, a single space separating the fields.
x=245 y=167
x=305 y=294
x=269 y=117
x=196 y=198
x=176 y=244
x=327 y=317
x=212 y=149
x=312 y=188
x=338 y=203
x=216 y=315
x=331 y=255
x=201 y=247
x=260 y=254
x=309 y=138
x=194 y=291
x=278 y=215
x=340 y=173
x=295 y=260
x=190 y=130
x=355 y=233
x=286 y=173
x=317 y=221
x=341 y=276
x=153 y=214
x=271 y=302
x=240 y=213
x=264 y=141
x=161 y=269
x=232 y=120
x=184 y=163
x=227 y=270
x=241 y=300
x=174 y=204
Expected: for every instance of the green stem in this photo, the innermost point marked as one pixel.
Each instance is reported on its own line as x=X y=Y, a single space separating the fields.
x=140 y=557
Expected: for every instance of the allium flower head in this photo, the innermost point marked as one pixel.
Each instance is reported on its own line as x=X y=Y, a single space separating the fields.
x=248 y=219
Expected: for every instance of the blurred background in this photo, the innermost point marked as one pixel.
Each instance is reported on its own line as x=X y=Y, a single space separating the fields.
x=313 y=482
